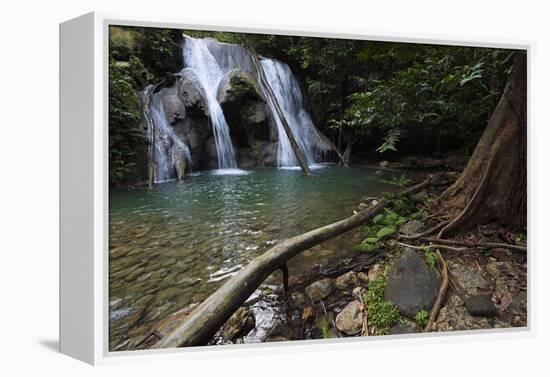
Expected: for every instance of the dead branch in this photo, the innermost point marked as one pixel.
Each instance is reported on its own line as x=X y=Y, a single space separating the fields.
x=440 y=295
x=476 y=245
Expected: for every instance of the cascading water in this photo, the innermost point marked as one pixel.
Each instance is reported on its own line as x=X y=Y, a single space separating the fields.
x=197 y=57
x=289 y=96
x=171 y=155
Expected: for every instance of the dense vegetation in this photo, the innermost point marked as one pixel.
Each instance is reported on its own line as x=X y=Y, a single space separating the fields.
x=384 y=98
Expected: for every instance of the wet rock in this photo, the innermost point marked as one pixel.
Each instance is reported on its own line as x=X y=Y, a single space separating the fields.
x=412 y=227
x=454 y=316
x=254 y=112
x=420 y=197
x=237 y=85
x=239 y=324
x=350 y=319
x=348 y=281
x=320 y=289
x=190 y=92
x=519 y=303
x=375 y=272
x=172 y=104
x=297 y=299
x=406 y=327
x=481 y=305
x=411 y=286
x=362 y=206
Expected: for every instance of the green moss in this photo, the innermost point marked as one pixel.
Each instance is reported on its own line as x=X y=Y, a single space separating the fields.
x=422 y=317
x=242 y=86
x=382 y=314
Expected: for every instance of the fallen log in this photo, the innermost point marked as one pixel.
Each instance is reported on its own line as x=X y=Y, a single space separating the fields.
x=207 y=318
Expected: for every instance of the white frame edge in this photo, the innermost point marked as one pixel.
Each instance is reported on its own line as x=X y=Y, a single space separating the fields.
x=84 y=189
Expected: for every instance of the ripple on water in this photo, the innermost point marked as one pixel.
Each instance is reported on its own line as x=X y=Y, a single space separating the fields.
x=179 y=242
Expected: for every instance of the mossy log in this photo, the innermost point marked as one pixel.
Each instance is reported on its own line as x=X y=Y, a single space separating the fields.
x=205 y=320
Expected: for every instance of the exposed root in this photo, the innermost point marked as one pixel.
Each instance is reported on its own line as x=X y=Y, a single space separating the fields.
x=426 y=233
x=476 y=245
x=445 y=247
x=440 y=295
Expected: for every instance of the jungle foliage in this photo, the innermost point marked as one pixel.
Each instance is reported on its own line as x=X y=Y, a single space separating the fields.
x=385 y=98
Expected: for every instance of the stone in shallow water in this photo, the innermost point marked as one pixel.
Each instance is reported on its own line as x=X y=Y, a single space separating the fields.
x=350 y=319
x=320 y=289
x=481 y=305
x=411 y=286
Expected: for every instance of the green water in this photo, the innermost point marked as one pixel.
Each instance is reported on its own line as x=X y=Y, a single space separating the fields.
x=173 y=245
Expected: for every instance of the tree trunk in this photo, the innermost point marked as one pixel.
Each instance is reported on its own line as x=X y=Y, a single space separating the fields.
x=493 y=186
x=207 y=318
x=271 y=97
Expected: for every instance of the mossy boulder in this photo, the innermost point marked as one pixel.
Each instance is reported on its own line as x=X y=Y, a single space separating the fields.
x=237 y=86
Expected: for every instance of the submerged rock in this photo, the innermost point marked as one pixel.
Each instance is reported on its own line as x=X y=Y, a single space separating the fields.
x=320 y=289
x=411 y=286
x=350 y=319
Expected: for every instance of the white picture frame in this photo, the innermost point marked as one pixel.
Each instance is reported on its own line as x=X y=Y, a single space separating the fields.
x=84 y=190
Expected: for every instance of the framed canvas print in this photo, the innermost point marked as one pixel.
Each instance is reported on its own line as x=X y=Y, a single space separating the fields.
x=228 y=188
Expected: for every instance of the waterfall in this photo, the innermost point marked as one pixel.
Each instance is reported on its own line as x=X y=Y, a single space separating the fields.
x=197 y=57
x=289 y=96
x=171 y=154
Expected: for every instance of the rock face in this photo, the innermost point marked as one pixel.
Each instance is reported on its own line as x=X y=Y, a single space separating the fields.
x=320 y=289
x=411 y=286
x=350 y=319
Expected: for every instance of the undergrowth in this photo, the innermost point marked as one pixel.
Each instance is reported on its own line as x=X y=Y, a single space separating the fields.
x=381 y=314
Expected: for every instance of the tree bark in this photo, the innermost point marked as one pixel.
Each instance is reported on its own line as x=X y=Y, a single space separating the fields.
x=493 y=186
x=205 y=320
x=271 y=97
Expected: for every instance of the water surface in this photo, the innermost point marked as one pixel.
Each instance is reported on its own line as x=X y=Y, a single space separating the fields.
x=173 y=245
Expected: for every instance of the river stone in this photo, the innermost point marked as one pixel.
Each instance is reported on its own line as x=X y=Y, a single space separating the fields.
x=408 y=327
x=412 y=227
x=469 y=278
x=348 y=281
x=411 y=285
x=519 y=303
x=375 y=272
x=319 y=290
x=350 y=319
x=454 y=316
x=481 y=305
x=240 y=323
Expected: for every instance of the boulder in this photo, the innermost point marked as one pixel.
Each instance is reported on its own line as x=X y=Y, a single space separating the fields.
x=350 y=319
x=174 y=109
x=190 y=92
x=237 y=85
x=320 y=289
x=480 y=305
x=411 y=285
x=253 y=112
x=239 y=324
x=412 y=227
